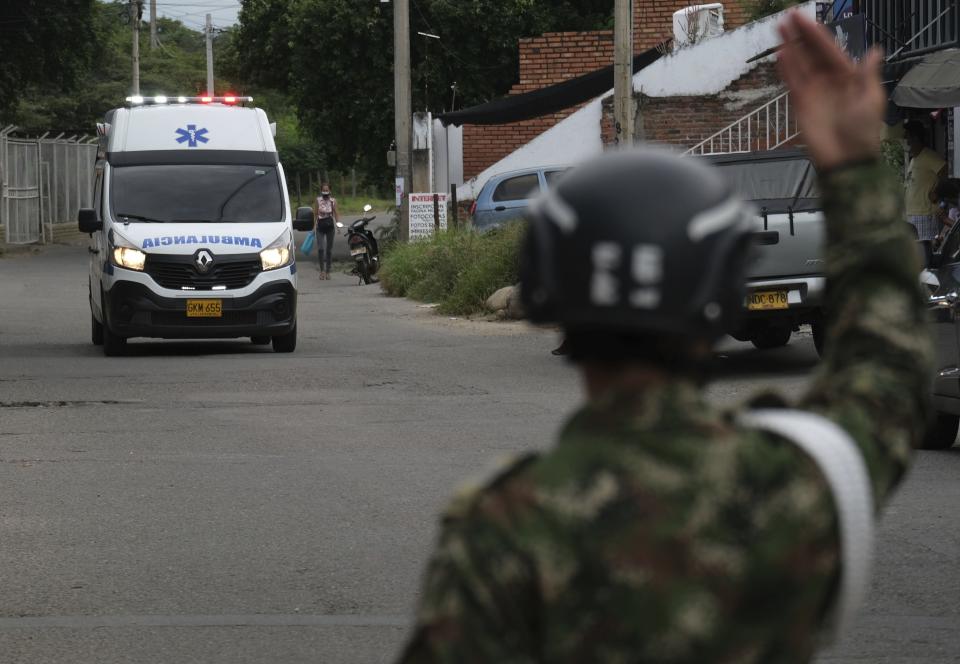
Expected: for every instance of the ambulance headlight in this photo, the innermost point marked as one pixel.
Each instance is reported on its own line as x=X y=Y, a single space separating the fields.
x=279 y=254
x=126 y=256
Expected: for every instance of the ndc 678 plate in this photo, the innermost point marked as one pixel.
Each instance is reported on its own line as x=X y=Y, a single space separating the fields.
x=766 y=300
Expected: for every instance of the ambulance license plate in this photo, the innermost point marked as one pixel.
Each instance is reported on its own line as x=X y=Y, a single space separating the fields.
x=766 y=300
x=204 y=308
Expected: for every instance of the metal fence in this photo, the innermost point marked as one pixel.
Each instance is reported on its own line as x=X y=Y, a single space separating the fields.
x=43 y=181
x=906 y=28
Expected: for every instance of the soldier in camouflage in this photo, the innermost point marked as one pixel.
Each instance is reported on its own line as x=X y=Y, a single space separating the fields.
x=660 y=529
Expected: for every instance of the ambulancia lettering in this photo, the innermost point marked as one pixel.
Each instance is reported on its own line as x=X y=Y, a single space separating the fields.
x=236 y=240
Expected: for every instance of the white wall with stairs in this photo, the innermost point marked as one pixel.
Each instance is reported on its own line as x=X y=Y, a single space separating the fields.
x=706 y=68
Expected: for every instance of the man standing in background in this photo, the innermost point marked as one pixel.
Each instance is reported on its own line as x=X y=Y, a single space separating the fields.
x=924 y=173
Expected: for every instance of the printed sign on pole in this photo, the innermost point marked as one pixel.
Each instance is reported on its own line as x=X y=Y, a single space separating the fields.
x=399 y=185
x=421 y=214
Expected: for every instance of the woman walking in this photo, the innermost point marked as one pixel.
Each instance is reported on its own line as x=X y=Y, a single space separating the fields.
x=326 y=213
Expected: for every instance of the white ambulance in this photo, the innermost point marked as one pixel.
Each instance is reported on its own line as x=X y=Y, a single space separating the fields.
x=191 y=229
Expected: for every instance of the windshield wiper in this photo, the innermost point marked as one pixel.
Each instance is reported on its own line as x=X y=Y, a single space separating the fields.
x=137 y=217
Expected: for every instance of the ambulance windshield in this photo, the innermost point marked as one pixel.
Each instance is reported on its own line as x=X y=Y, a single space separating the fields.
x=196 y=193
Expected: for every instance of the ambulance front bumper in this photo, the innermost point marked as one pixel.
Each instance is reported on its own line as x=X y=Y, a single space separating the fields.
x=133 y=310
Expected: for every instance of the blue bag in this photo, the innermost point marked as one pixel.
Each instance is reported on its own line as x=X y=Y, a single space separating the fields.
x=307 y=245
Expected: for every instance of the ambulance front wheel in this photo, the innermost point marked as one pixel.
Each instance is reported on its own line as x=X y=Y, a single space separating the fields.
x=113 y=345
x=286 y=343
x=96 y=331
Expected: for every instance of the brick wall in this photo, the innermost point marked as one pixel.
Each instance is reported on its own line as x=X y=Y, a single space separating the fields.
x=653 y=19
x=687 y=120
x=556 y=57
x=545 y=60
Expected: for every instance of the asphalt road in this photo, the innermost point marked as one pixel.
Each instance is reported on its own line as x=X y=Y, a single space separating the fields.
x=216 y=502
x=340 y=250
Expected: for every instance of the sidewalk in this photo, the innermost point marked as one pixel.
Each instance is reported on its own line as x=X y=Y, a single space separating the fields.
x=65 y=234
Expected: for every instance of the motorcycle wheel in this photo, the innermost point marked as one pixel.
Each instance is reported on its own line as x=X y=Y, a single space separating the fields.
x=363 y=268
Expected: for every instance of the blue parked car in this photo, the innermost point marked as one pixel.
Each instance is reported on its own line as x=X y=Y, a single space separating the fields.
x=504 y=197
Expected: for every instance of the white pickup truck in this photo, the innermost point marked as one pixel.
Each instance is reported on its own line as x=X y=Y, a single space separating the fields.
x=786 y=281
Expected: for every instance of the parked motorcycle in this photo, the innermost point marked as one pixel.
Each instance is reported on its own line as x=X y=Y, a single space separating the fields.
x=364 y=249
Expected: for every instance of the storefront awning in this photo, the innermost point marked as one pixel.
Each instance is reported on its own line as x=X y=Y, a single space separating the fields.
x=544 y=101
x=934 y=82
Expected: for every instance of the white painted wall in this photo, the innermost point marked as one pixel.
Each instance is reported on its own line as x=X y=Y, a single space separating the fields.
x=447 y=156
x=572 y=140
x=709 y=67
x=702 y=69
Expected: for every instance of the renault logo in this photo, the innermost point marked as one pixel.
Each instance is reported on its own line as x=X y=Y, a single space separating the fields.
x=203 y=259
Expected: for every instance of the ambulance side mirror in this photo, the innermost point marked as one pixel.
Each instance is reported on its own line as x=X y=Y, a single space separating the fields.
x=88 y=221
x=303 y=220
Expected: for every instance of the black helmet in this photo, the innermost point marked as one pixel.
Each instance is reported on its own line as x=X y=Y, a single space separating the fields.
x=638 y=243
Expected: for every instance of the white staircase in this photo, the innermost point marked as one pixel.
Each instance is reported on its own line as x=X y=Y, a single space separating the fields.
x=767 y=128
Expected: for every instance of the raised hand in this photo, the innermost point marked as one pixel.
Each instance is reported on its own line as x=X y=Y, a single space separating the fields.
x=839 y=103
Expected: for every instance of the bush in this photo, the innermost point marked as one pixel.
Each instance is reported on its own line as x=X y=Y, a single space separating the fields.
x=457 y=269
x=893 y=155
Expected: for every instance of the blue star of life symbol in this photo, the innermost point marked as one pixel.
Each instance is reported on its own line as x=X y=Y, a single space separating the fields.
x=191 y=135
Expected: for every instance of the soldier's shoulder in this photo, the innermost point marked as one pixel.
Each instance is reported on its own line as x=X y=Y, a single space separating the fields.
x=489 y=482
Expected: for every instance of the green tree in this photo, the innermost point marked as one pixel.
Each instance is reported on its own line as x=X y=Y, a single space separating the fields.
x=177 y=67
x=335 y=57
x=42 y=43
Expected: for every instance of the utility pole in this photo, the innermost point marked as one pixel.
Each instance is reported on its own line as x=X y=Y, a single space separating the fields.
x=623 y=104
x=403 y=105
x=154 y=42
x=209 y=32
x=136 y=12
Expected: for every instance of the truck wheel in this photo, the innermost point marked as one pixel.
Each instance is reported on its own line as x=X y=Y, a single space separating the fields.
x=771 y=337
x=260 y=340
x=286 y=343
x=819 y=336
x=942 y=433
x=96 y=331
x=113 y=345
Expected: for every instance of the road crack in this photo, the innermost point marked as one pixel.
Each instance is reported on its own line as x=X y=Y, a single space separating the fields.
x=68 y=403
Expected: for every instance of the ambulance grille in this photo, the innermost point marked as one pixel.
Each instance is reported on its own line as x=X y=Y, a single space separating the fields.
x=180 y=272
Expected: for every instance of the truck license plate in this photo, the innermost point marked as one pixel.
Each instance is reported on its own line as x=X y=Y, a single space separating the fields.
x=766 y=300
x=204 y=308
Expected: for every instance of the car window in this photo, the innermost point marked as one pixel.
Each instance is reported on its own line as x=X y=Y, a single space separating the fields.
x=553 y=176
x=951 y=245
x=517 y=188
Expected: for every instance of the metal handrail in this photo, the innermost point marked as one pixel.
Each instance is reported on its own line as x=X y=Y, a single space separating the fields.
x=765 y=128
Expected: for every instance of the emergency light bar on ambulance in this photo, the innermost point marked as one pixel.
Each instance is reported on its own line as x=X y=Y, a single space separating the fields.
x=138 y=100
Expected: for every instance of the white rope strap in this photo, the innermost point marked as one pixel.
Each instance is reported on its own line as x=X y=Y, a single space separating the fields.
x=841 y=463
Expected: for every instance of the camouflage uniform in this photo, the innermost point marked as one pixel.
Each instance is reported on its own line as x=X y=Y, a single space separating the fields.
x=658 y=530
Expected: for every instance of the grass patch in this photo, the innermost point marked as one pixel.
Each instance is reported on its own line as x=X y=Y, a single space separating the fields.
x=457 y=269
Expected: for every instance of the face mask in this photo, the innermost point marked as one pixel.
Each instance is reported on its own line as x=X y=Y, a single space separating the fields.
x=325 y=194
